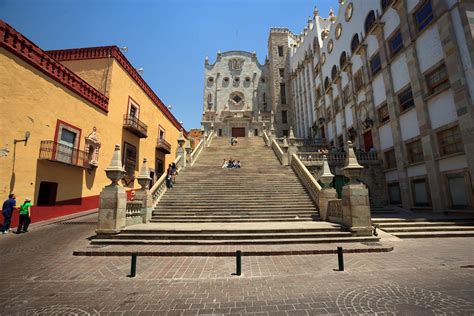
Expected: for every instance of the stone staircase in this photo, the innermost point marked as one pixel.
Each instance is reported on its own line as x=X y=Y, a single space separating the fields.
x=262 y=203
x=261 y=191
x=430 y=227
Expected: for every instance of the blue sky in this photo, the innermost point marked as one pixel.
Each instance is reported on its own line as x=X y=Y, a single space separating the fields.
x=168 y=38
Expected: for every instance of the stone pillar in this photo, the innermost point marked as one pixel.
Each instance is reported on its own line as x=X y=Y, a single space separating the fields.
x=180 y=151
x=355 y=198
x=188 y=150
x=292 y=148
x=113 y=198
x=143 y=194
x=327 y=193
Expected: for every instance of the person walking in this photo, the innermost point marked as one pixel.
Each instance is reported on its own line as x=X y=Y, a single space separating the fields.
x=169 y=177
x=175 y=172
x=25 y=214
x=7 y=211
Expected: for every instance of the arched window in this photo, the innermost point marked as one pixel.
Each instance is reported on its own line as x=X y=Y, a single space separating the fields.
x=326 y=83
x=385 y=4
x=333 y=72
x=369 y=21
x=209 y=98
x=354 y=42
x=342 y=59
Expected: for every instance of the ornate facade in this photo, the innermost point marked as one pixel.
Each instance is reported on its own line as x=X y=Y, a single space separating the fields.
x=394 y=76
x=236 y=95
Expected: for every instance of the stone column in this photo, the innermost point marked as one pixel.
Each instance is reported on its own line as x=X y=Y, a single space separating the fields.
x=180 y=151
x=355 y=198
x=143 y=194
x=327 y=193
x=292 y=148
x=113 y=198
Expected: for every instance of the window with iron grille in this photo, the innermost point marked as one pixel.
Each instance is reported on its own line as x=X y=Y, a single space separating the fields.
x=282 y=93
x=396 y=43
x=346 y=94
x=405 y=100
x=385 y=4
x=336 y=105
x=415 y=151
x=383 y=114
x=358 y=80
x=450 y=141
x=354 y=42
x=369 y=21
x=423 y=15
x=390 y=161
x=129 y=158
x=437 y=80
x=375 y=64
x=280 y=51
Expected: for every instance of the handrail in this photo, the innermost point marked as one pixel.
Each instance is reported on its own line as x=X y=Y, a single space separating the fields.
x=335 y=157
x=265 y=138
x=310 y=183
x=210 y=137
x=159 y=188
x=278 y=152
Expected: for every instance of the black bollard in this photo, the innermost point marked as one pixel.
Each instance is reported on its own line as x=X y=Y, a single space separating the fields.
x=340 y=258
x=238 y=261
x=133 y=268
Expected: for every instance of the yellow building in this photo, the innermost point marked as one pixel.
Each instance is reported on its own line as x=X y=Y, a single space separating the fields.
x=76 y=105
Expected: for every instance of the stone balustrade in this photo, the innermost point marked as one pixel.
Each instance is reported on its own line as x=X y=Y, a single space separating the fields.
x=133 y=213
x=334 y=211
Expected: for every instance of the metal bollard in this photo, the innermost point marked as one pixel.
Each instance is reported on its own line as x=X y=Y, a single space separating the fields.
x=238 y=261
x=340 y=258
x=133 y=267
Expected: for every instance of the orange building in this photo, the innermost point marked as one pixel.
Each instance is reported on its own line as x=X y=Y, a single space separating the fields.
x=75 y=104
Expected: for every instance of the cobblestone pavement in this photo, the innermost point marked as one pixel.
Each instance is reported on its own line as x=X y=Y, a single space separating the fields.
x=39 y=276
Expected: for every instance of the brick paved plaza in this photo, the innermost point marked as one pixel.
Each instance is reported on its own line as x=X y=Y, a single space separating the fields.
x=420 y=277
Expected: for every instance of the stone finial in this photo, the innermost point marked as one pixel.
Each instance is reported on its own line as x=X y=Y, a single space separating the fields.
x=352 y=168
x=326 y=176
x=292 y=134
x=272 y=129
x=181 y=139
x=341 y=2
x=144 y=176
x=212 y=126
x=332 y=16
x=115 y=171
x=206 y=61
x=315 y=11
x=285 y=143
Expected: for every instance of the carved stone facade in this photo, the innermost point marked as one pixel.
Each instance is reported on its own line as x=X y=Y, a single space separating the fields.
x=394 y=76
x=236 y=95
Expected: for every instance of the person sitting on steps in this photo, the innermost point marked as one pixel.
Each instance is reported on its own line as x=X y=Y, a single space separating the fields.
x=225 y=164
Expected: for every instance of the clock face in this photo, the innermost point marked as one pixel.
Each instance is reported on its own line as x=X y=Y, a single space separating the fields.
x=349 y=11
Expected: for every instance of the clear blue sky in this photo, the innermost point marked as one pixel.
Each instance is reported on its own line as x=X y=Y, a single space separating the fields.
x=168 y=38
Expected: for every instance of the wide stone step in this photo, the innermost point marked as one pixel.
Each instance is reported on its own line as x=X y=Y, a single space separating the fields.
x=439 y=234
x=232 y=220
x=234 y=236
x=428 y=229
x=384 y=225
x=234 y=206
x=234 y=241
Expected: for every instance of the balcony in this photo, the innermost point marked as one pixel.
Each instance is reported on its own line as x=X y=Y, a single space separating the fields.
x=53 y=151
x=164 y=146
x=134 y=125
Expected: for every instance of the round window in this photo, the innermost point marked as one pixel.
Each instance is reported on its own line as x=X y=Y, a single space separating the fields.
x=247 y=79
x=323 y=58
x=236 y=79
x=338 y=30
x=349 y=11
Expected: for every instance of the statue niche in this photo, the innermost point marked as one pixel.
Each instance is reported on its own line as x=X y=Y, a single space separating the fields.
x=236 y=101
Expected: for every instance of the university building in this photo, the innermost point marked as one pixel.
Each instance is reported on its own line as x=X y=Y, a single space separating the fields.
x=62 y=113
x=395 y=77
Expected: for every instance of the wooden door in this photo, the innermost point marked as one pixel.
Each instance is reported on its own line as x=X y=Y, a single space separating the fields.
x=238 y=131
x=368 y=143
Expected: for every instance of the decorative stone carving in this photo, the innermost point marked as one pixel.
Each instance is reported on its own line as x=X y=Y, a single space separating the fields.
x=92 y=149
x=236 y=64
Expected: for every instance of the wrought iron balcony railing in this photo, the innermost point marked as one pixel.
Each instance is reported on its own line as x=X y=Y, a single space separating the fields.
x=163 y=146
x=54 y=151
x=134 y=125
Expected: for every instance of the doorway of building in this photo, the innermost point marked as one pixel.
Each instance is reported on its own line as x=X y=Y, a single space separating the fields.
x=238 y=131
x=368 y=142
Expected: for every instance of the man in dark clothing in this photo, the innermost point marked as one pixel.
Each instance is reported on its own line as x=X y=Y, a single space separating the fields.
x=7 y=212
